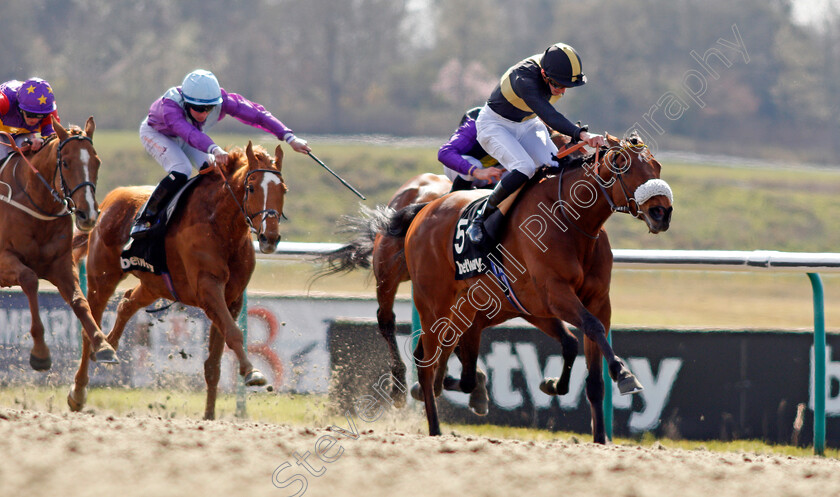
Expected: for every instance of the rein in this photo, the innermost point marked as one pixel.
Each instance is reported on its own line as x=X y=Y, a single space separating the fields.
x=266 y=213
x=66 y=201
x=624 y=209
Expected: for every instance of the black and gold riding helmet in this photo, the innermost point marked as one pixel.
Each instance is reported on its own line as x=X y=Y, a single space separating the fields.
x=562 y=64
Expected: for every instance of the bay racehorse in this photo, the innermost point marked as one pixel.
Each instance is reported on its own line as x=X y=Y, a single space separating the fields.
x=209 y=254
x=40 y=194
x=557 y=260
x=372 y=247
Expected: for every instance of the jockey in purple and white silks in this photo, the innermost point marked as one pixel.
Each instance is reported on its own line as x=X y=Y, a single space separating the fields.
x=25 y=110
x=174 y=134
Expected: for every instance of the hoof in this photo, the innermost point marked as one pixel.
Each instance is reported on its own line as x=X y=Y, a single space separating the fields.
x=75 y=405
x=452 y=384
x=105 y=356
x=549 y=386
x=255 y=379
x=417 y=392
x=478 y=397
x=629 y=385
x=39 y=364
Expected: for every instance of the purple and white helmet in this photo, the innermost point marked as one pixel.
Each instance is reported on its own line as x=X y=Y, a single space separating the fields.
x=36 y=96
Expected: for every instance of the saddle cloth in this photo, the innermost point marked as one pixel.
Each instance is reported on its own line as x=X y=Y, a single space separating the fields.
x=149 y=253
x=469 y=259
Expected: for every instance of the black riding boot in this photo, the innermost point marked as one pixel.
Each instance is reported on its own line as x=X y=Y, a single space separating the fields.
x=486 y=224
x=150 y=213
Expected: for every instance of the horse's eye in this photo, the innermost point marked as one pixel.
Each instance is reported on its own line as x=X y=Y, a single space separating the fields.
x=250 y=188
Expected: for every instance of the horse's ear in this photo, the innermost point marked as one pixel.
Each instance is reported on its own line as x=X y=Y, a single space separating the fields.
x=278 y=157
x=252 y=159
x=59 y=129
x=90 y=126
x=613 y=141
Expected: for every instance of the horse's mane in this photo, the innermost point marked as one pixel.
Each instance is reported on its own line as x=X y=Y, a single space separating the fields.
x=239 y=159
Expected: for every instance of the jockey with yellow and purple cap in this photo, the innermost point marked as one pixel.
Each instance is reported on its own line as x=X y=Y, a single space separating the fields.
x=25 y=110
x=175 y=134
x=508 y=130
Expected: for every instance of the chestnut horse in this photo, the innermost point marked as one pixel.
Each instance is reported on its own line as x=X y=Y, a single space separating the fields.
x=558 y=263
x=209 y=253
x=372 y=248
x=38 y=195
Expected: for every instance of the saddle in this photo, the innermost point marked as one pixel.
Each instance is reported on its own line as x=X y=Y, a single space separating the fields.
x=149 y=253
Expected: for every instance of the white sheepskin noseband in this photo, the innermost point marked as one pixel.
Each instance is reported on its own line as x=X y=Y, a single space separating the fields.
x=652 y=188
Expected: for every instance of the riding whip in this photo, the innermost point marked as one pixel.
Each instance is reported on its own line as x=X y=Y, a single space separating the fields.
x=337 y=176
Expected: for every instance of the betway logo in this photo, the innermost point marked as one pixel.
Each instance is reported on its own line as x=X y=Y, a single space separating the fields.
x=469 y=265
x=506 y=359
x=135 y=261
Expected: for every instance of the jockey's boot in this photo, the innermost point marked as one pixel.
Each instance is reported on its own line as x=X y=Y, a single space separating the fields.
x=150 y=213
x=486 y=225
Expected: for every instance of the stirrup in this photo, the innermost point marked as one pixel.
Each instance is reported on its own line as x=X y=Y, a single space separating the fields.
x=141 y=229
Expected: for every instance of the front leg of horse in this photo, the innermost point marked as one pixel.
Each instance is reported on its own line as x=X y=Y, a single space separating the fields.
x=619 y=372
x=68 y=286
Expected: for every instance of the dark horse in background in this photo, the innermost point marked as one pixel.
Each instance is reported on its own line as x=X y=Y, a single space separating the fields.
x=558 y=263
x=209 y=253
x=39 y=196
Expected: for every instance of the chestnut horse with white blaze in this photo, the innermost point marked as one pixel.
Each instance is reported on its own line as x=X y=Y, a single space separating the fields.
x=39 y=194
x=209 y=254
x=557 y=260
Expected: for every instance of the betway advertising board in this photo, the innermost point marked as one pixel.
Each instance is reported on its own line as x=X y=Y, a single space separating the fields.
x=698 y=384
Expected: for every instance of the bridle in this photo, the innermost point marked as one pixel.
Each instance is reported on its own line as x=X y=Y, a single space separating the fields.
x=60 y=164
x=65 y=198
x=249 y=218
x=609 y=157
x=265 y=213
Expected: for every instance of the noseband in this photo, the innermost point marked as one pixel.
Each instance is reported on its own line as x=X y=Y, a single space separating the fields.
x=265 y=213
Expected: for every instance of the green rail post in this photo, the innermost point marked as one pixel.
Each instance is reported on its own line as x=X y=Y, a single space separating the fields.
x=608 y=394
x=241 y=410
x=416 y=331
x=819 y=365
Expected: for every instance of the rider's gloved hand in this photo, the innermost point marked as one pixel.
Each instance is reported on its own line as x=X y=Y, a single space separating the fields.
x=297 y=144
x=593 y=140
x=219 y=155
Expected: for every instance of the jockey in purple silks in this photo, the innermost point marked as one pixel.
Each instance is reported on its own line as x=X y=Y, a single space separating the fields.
x=465 y=162
x=174 y=134
x=25 y=109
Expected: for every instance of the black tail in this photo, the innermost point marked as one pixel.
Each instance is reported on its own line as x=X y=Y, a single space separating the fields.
x=357 y=254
